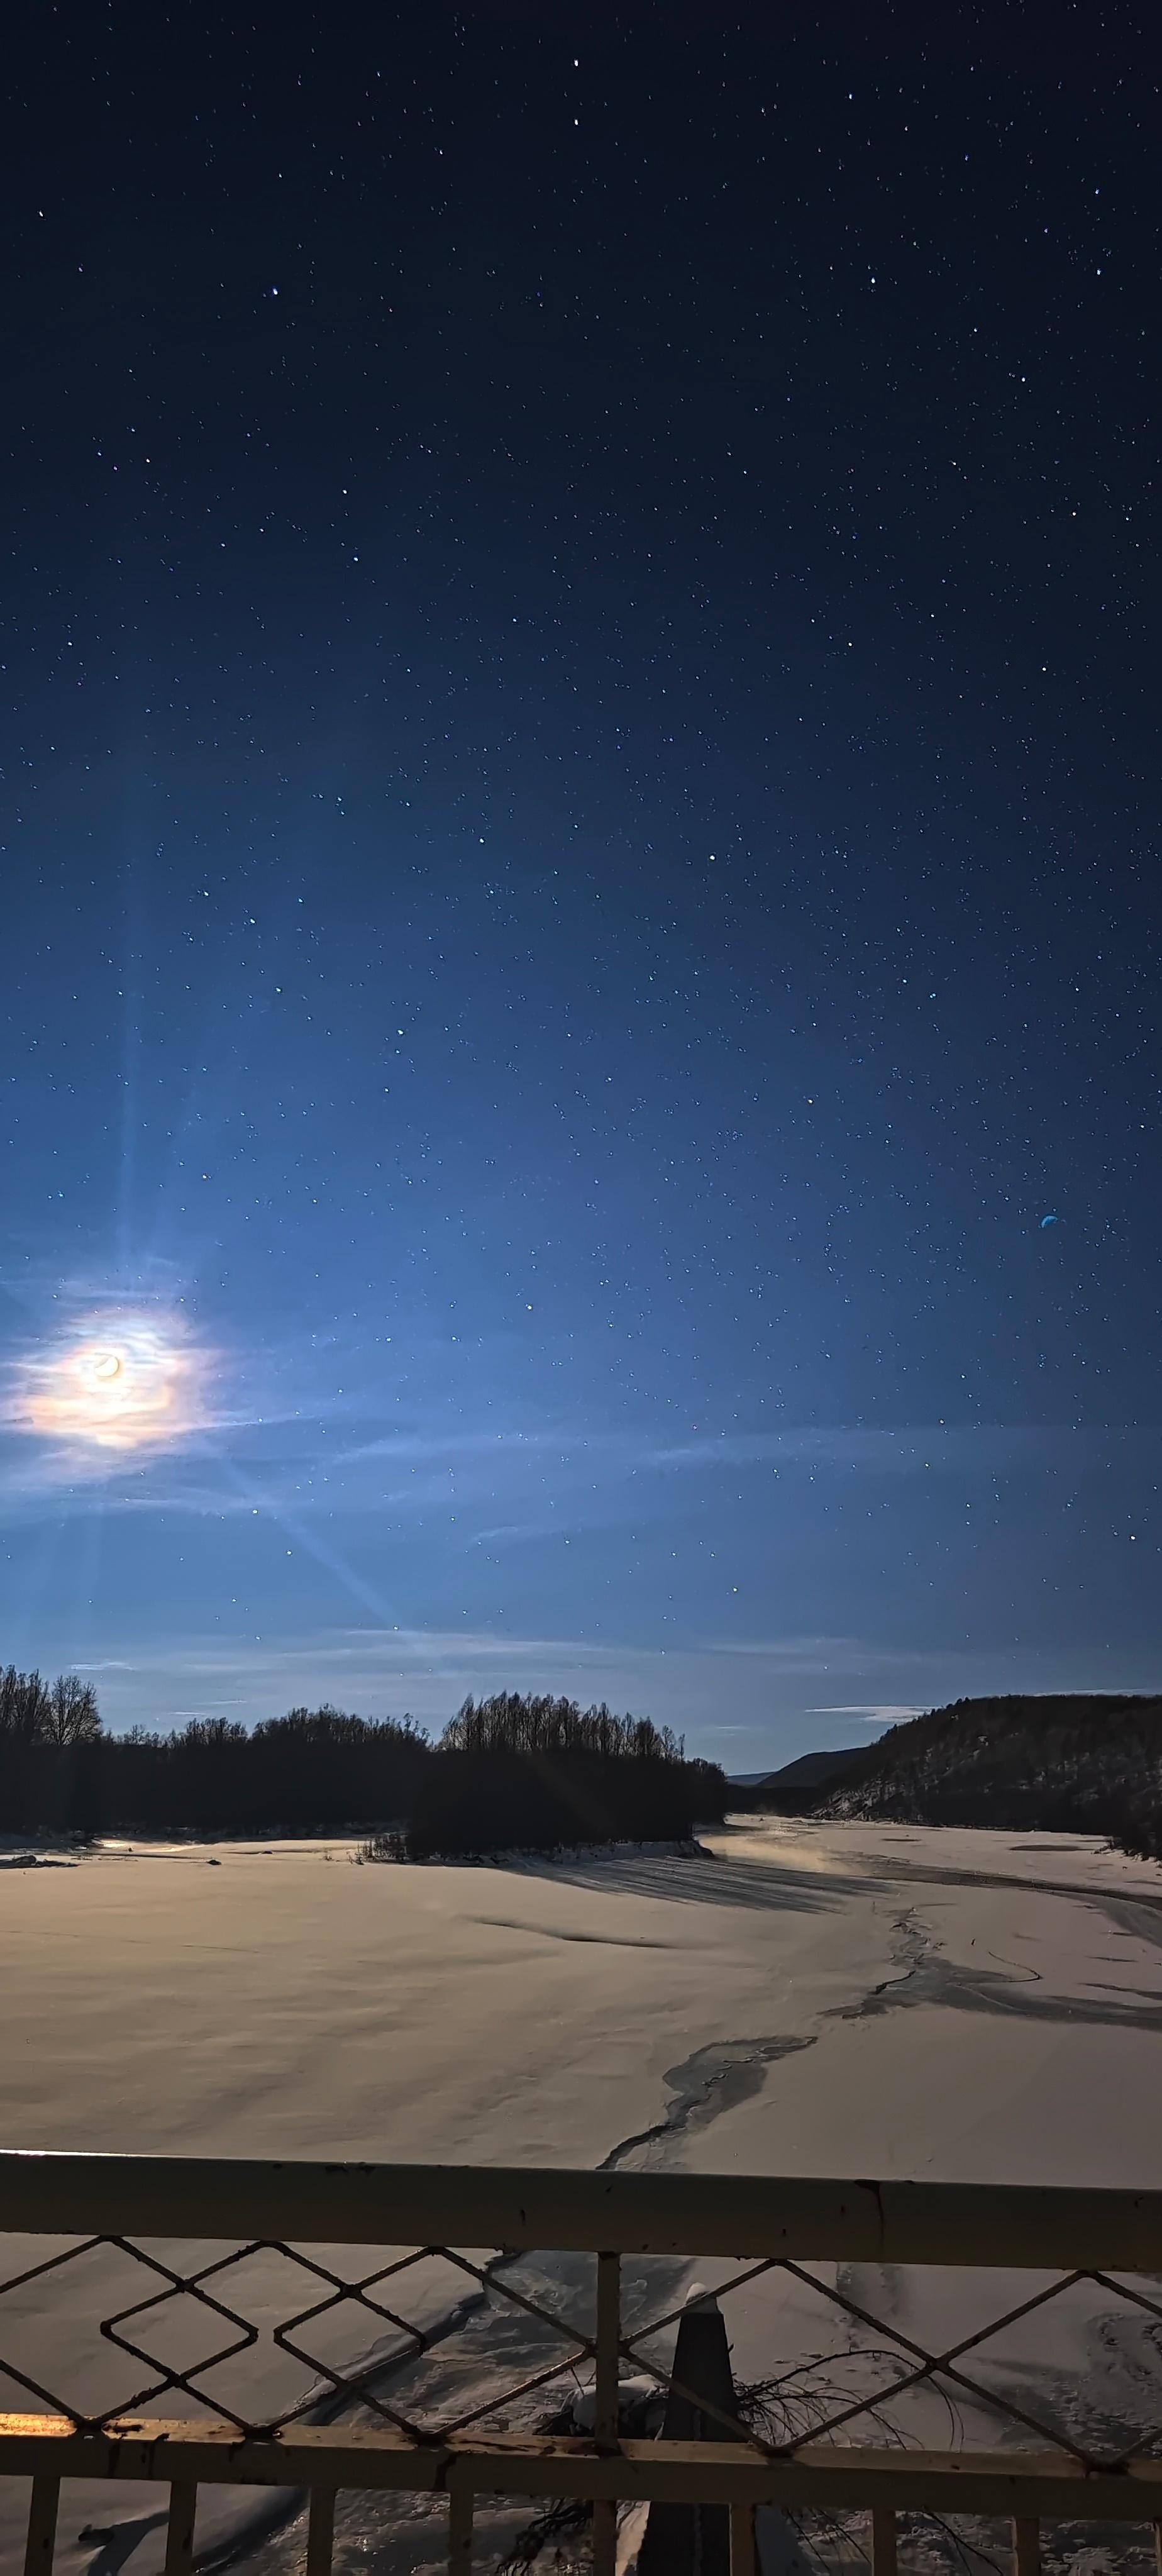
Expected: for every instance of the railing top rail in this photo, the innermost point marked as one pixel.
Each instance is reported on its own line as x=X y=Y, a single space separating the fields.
x=806 y=2219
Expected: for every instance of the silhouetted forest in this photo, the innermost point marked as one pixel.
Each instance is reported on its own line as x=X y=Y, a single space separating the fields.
x=536 y=1773
x=1082 y=1763
x=512 y=1771
x=517 y=1722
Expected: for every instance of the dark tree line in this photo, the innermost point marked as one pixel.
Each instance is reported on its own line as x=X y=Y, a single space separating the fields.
x=536 y=1773
x=519 y=1722
x=508 y=1771
x=469 y=1804
x=315 y=1768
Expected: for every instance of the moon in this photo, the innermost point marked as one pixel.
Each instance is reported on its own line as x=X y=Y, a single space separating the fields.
x=144 y=1390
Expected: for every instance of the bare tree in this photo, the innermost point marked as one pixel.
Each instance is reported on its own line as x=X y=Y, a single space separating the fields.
x=70 y=1714
x=521 y=1722
x=24 y=1703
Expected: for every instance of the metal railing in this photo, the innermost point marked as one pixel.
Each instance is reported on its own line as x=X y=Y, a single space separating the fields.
x=456 y=2303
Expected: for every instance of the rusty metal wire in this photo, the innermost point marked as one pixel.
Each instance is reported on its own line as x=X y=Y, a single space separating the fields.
x=137 y=2329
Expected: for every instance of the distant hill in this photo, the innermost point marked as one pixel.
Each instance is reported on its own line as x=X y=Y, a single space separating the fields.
x=816 y=1770
x=794 y=1789
x=1086 y=1762
x=800 y=1781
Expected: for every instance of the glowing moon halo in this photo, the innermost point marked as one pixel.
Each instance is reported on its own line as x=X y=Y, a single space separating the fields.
x=143 y=1390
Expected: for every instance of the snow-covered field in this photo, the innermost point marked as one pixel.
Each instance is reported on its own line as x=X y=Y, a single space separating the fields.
x=834 y=1999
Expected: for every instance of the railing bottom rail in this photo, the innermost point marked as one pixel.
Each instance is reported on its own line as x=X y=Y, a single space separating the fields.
x=1022 y=2487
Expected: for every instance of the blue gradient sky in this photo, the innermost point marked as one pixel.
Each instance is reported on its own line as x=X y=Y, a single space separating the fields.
x=578 y=889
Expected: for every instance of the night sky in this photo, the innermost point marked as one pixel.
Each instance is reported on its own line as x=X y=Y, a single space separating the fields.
x=581 y=920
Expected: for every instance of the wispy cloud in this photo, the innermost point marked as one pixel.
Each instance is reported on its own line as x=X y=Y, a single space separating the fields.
x=115 y=1402
x=815 y=1655
x=429 y=1670
x=934 y=1448
x=488 y=1442
x=873 y=1712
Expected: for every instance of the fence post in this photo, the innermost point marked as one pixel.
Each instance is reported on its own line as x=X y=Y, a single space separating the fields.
x=606 y=2401
x=1026 y=2546
x=883 y=2540
x=742 y=2542
x=321 y=2531
x=42 y=2513
x=179 y=2538
x=460 y=2505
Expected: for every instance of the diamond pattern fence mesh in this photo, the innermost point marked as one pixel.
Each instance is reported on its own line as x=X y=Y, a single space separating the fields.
x=914 y=2363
